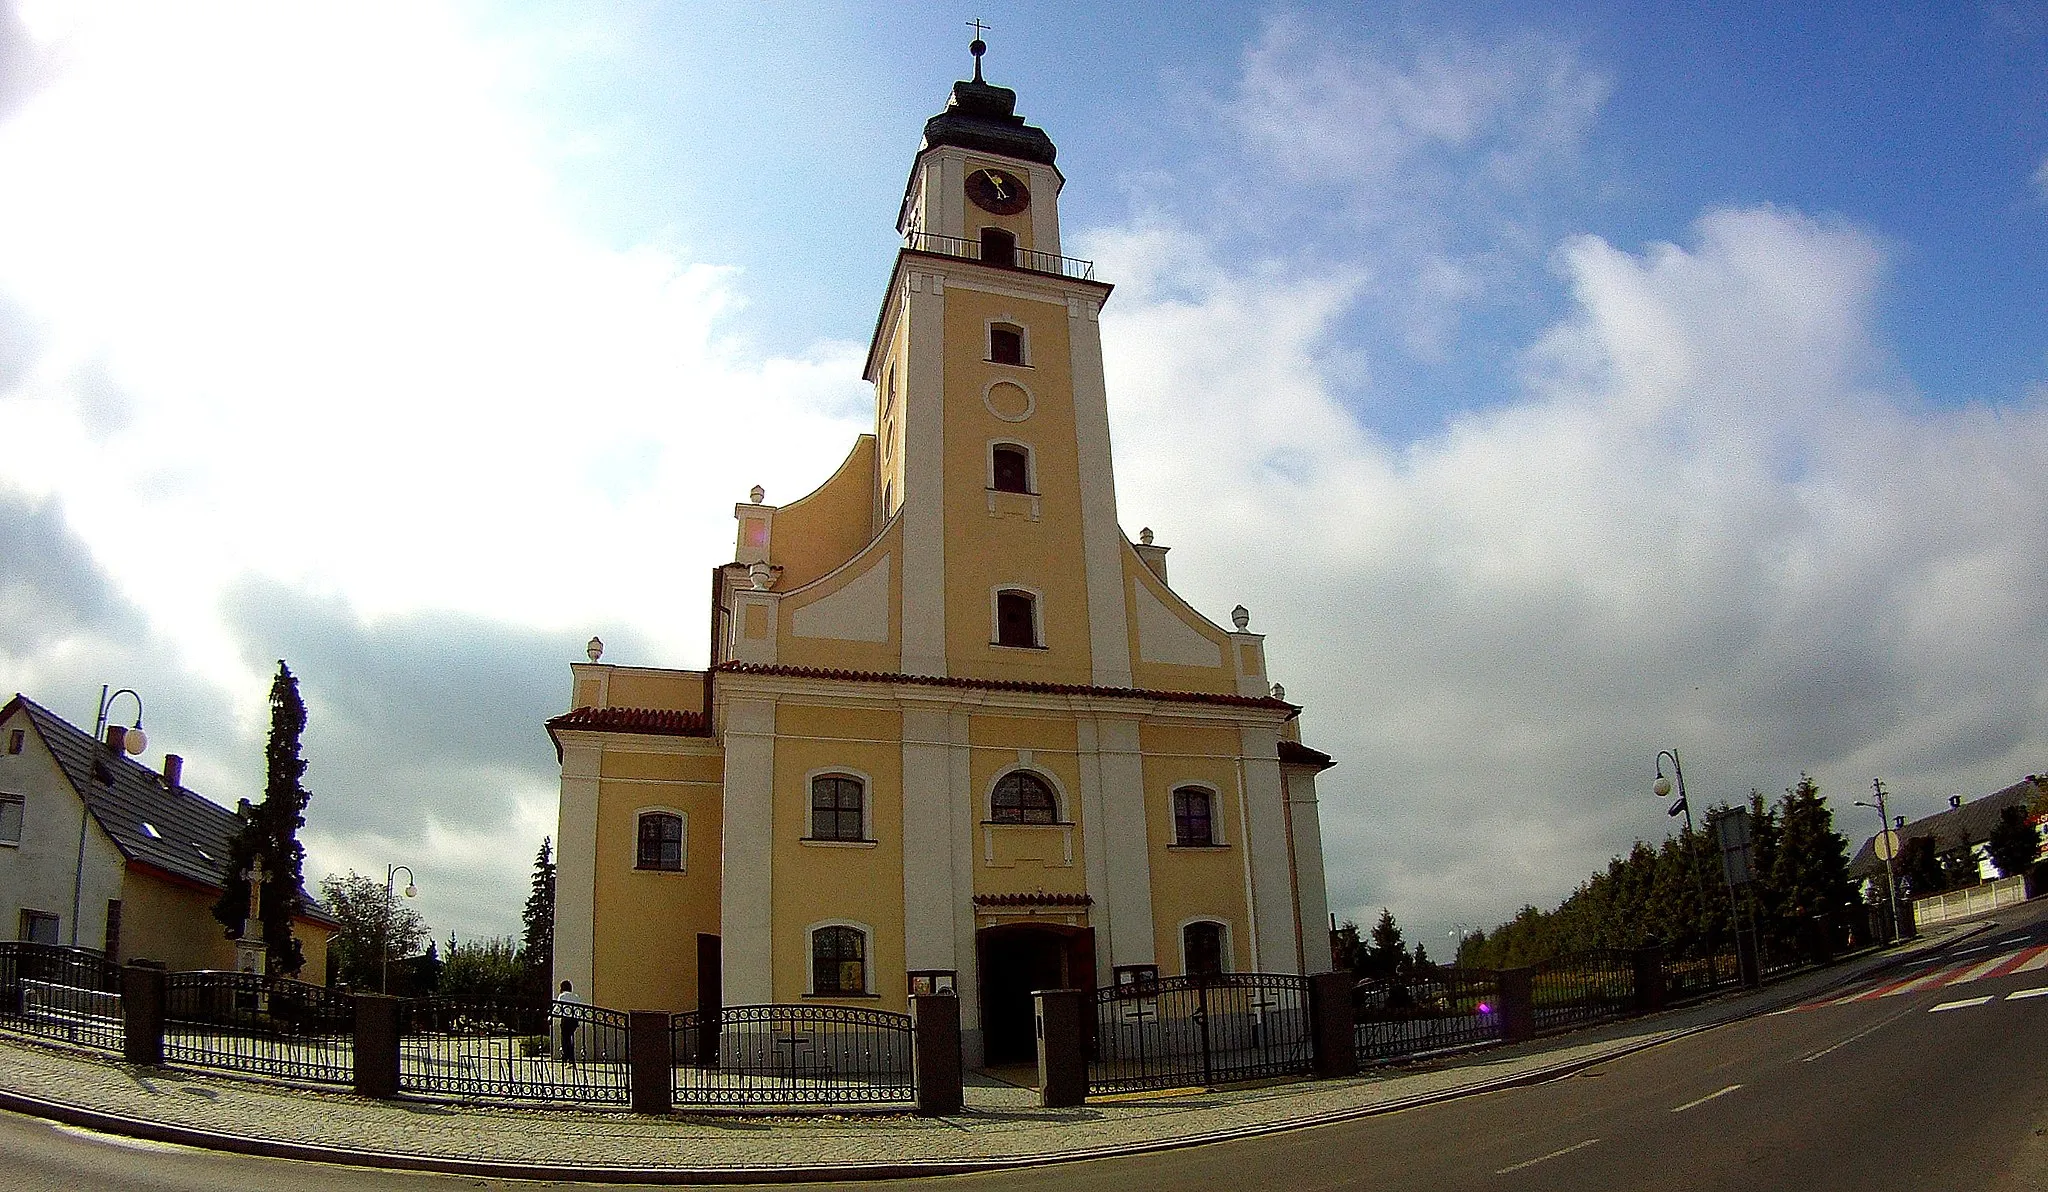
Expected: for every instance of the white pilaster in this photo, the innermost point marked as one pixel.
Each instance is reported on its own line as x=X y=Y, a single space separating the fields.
x=923 y=507
x=1314 y=899
x=1267 y=848
x=930 y=840
x=1113 y=837
x=1109 y=641
x=576 y=868
x=746 y=906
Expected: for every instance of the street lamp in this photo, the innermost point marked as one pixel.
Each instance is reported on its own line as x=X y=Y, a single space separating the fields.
x=133 y=739
x=384 y=936
x=1662 y=789
x=1886 y=846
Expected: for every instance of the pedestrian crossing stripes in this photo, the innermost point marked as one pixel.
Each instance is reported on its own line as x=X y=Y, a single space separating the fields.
x=2026 y=960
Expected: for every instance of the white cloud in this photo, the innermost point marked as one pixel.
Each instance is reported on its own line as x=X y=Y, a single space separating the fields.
x=1698 y=526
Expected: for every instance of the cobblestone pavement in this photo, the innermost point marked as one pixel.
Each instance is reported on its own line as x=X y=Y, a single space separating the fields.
x=1001 y=1123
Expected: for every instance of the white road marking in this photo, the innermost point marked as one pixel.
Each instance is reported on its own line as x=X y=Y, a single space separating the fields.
x=1858 y=1035
x=2040 y=961
x=1577 y=1146
x=2017 y=994
x=120 y=1140
x=1967 y=951
x=1959 y=1004
x=1703 y=1100
x=1975 y=971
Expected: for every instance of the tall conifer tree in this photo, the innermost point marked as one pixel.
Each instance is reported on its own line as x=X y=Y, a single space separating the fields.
x=269 y=836
x=537 y=948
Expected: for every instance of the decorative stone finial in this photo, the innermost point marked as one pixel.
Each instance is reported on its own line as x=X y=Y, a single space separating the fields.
x=1279 y=692
x=757 y=494
x=1145 y=536
x=1240 y=617
x=762 y=576
x=595 y=649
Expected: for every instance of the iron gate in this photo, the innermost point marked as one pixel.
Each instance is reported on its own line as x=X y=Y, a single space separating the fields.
x=1202 y=1030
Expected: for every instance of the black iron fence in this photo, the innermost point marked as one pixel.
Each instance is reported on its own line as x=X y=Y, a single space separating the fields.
x=1205 y=1030
x=792 y=1055
x=55 y=992
x=1693 y=976
x=268 y=1026
x=1009 y=256
x=1439 y=1010
x=514 y=1051
x=1582 y=988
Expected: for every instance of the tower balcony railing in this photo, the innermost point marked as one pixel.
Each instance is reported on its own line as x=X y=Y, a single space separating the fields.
x=1028 y=260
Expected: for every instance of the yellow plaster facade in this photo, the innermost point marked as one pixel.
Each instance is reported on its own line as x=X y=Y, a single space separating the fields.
x=955 y=728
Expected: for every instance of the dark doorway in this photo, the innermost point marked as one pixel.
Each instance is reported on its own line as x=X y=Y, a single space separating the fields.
x=1015 y=960
x=999 y=247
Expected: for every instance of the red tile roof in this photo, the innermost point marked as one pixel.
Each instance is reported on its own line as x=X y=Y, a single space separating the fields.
x=1294 y=753
x=1195 y=697
x=664 y=722
x=1039 y=899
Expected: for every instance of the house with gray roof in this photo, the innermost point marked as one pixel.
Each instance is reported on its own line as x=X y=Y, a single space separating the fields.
x=1962 y=825
x=100 y=851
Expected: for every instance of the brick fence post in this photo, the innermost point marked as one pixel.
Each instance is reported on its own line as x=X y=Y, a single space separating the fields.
x=142 y=1013
x=1333 y=1026
x=1062 y=1047
x=1649 y=982
x=1517 y=1004
x=651 y=1060
x=940 y=1084
x=376 y=1045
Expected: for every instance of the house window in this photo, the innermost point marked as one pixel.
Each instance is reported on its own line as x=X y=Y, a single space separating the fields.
x=1010 y=470
x=1016 y=620
x=1005 y=343
x=38 y=927
x=839 y=961
x=661 y=841
x=113 y=948
x=837 y=806
x=1202 y=947
x=11 y=807
x=1022 y=797
x=1193 y=817
x=16 y=738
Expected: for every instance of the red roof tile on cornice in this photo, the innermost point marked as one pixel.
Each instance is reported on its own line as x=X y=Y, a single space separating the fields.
x=664 y=722
x=1039 y=899
x=1294 y=753
x=1194 y=697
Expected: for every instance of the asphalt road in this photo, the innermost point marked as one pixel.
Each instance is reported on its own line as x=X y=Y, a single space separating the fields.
x=1941 y=1088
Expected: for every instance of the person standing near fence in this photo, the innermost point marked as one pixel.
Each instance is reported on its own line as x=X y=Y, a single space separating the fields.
x=568 y=1013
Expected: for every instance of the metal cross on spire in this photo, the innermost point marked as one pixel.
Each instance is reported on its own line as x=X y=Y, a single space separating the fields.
x=978 y=47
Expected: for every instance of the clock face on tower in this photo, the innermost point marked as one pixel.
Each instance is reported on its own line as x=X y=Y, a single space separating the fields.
x=997 y=191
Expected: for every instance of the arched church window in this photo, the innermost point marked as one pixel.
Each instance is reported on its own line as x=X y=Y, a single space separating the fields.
x=1202 y=948
x=1193 y=817
x=661 y=841
x=1022 y=797
x=839 y=961
x=838 y=807
x=1016 y=619
x=1006 y=343
x=1010 y=469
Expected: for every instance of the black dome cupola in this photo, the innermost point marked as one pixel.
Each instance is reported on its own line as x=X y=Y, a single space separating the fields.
x=982 y=116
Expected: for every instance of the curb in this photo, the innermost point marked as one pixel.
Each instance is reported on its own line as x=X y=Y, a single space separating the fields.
x=245 y=1144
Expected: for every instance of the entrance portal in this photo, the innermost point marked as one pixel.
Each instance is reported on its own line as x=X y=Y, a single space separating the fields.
x=1015 y=959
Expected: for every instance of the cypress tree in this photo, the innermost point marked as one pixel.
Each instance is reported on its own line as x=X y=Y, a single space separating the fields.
x=269 y=836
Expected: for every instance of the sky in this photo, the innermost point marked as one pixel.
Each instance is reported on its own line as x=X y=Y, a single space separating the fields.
x=1556 y=384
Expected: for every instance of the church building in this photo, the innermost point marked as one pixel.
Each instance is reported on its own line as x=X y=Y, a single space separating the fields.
x=955 y=731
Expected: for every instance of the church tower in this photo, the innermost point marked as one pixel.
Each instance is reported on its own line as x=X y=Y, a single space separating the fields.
x=956 y=730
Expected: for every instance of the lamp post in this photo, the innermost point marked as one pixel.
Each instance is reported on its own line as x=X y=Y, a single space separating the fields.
x=133 y=739
x=384 y=936
x=1886 y=846
x=1662 y=789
